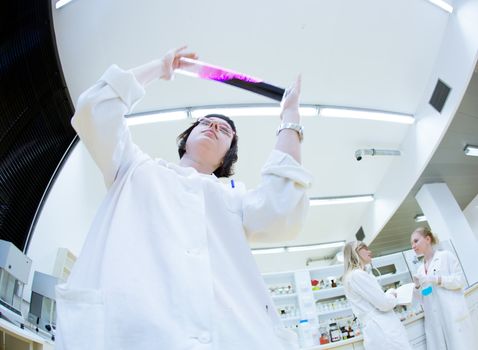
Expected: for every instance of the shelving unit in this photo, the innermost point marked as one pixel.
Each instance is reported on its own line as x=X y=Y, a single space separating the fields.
x=325 y=302
x=329 y=293
x=336 y=312
x=282 y=287
x=284 y=296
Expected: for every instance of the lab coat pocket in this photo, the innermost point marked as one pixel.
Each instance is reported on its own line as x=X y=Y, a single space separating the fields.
x=81 y=318
x=287 y=338
x=461 y=314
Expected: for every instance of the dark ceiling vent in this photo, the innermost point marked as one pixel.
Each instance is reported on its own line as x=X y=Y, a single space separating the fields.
x=439 y=96
x=360 y=235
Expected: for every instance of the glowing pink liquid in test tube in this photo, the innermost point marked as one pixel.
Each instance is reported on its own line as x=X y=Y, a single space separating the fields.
x=207 y=71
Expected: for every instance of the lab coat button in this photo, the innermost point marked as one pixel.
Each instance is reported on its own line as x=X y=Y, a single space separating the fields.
x=204 y=338
x=193 y=251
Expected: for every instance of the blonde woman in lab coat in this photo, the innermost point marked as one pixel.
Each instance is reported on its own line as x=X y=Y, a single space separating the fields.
x=439 y=282
x=382 y=329
x=166 y=264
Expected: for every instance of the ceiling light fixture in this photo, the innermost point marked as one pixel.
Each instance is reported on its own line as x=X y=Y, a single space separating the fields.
x=337 y=112
x=61 y=3
x=471 y=150
x=249 y=111
x=443 y=5
x=316 y=201
x=298 y=248
x=255 y=110
x=303 y=248
x=420 y=218
x=156 y=117
x=268 y=250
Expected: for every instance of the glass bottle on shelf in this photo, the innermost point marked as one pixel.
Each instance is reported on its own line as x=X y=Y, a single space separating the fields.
x=306 y=334
x=324 y=336
x=350 y=331
x=334 y=331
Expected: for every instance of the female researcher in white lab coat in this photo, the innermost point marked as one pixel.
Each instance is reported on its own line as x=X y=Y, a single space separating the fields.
x=166 y=264
x=439 y=283
x=382 y=329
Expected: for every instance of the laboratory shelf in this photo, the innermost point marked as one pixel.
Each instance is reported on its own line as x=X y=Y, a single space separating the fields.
x=283 y=296
x=329 y=293
x=336 y=312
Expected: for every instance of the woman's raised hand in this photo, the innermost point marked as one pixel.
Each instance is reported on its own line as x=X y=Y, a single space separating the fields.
x=172 y=60
x=290 y=103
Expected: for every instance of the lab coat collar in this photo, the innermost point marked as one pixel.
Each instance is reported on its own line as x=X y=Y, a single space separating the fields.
x=187 y=171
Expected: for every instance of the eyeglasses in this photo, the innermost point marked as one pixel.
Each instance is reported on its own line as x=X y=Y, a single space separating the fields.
x=224 y=128
x=360 y=247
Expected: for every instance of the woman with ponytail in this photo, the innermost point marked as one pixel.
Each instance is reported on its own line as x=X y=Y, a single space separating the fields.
x=382 y=329
x=439 y=282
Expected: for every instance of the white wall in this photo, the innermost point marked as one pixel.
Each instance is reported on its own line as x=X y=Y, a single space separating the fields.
x=471 y=214
x=71 y=204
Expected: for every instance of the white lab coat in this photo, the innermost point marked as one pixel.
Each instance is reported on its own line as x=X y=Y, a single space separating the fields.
x=448 y=324
x=382 y=329
x=166 y=264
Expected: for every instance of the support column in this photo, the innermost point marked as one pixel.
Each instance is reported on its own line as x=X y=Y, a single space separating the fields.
x=447 y=221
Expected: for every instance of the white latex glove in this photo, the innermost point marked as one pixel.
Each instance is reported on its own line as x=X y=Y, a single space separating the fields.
x=391 y=291
x=290 y=103
x=162 y=68
x=416 y=280
x=425 y=280
x=170 y=61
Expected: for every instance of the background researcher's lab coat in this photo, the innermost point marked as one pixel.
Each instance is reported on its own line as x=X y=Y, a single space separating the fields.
x=381 y=329
x=447 y=319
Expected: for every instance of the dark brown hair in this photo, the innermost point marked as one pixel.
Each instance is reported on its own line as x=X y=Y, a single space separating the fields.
x=226 y=168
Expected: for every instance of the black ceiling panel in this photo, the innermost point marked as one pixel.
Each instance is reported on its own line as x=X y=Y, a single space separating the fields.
x=35 y=111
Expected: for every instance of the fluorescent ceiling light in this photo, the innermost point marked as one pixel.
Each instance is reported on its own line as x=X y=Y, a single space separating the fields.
x=250 y=111
x=333 y=112
x=302 y=248
x=61 y=3
x=471 y=150
x=443 y=5
x=156 y=117
x=268 y=250
x=420 y=218
x=315 y=201
x=298 y=248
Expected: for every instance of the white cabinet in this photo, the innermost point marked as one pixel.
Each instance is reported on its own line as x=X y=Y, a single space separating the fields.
x=64 y=262
x=317 y=295
x=282 y=287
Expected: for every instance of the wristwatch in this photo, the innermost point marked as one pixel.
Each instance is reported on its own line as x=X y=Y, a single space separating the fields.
x=293 y=126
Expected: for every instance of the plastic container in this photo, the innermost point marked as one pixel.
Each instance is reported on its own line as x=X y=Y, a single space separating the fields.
x=306 y=334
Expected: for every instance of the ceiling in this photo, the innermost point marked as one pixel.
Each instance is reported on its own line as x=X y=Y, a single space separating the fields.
x=367 y=54
x=449 y=165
